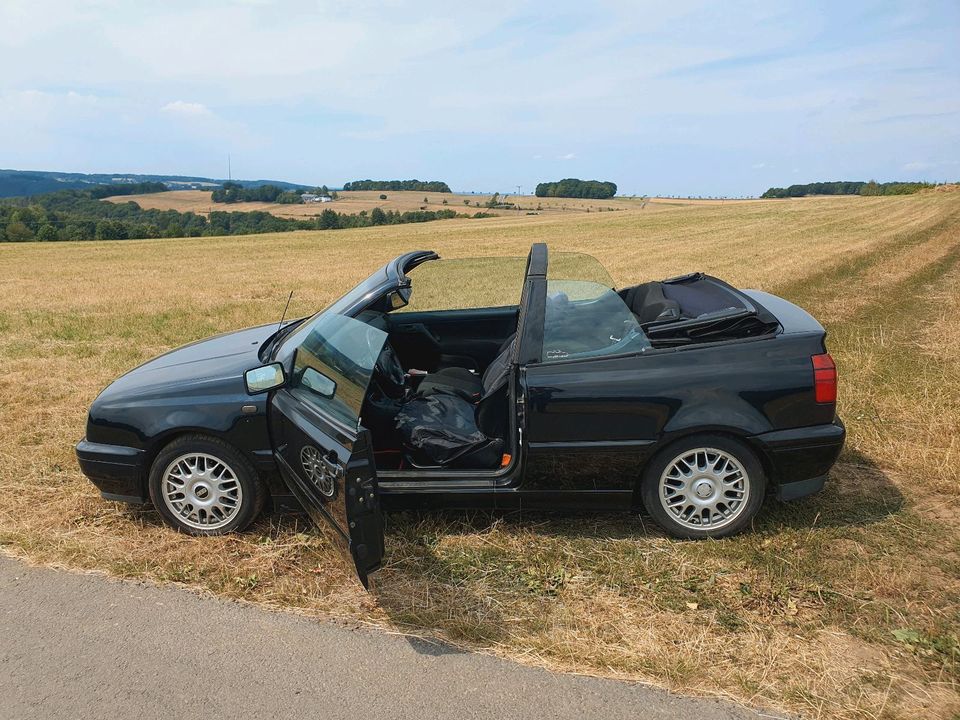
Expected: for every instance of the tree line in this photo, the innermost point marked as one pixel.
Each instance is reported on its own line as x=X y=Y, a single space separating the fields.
x=140 y=188
x=396 y=185
x=576 y=188
x=231 y=192
x=78 y=215
x=847 y=187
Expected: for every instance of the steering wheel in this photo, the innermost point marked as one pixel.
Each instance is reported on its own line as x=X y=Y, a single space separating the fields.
x=388 y=373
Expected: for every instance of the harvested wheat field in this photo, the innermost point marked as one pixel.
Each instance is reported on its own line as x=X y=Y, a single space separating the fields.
x=353 y=202
x=841 y=605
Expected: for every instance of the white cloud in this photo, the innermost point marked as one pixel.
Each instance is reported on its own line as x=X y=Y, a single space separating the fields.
x=919 y=165
x=187 y=109
x=676 y=98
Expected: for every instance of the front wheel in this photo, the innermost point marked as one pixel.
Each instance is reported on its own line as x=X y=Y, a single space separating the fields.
x=703 y=486
x=203 y=486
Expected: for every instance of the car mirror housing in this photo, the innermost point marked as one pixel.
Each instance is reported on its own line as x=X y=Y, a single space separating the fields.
x=264 y=378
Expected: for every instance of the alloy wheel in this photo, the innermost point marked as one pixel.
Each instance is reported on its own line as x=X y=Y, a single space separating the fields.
x=201 y=490
x=704 y=489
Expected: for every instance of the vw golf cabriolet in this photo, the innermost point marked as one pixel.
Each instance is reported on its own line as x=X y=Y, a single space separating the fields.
x=535 y=386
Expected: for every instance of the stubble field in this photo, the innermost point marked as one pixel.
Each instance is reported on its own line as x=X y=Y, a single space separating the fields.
x=842 y=605
x=353 y=202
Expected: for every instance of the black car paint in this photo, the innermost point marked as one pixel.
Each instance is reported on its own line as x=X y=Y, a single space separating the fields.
x=199 y=388
x=353 y=510
x=196 y=388
x=587 y=425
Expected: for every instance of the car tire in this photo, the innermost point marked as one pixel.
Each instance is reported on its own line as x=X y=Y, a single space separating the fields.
x=202 y=485
x=703 y=486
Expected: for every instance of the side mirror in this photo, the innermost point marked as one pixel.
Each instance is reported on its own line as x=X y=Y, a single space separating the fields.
x=266 y=377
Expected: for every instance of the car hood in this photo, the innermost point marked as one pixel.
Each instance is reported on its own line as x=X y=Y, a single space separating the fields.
x=206 y=362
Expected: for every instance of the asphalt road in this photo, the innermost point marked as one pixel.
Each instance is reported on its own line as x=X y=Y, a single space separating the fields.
x=83 y=646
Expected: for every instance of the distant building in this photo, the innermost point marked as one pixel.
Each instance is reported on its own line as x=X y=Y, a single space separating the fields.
x=312 y=198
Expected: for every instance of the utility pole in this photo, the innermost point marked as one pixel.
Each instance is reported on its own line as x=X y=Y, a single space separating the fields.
x=229 y=169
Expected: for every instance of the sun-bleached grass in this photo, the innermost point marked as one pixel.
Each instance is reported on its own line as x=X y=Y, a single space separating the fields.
x=842 y=605
x=355 y=201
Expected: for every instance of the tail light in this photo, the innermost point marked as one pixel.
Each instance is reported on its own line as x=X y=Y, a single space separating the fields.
x=824 y=378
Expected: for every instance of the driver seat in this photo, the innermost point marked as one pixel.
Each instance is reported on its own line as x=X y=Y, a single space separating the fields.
x=465 y=382
x=446 y=427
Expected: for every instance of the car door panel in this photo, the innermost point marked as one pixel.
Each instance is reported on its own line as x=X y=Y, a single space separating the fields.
x=325 y=456
x=332 y=473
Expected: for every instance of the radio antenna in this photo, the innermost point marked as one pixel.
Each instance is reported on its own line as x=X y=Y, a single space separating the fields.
x=285 y=308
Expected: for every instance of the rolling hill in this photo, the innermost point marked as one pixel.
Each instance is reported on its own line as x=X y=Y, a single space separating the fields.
x=19 y=183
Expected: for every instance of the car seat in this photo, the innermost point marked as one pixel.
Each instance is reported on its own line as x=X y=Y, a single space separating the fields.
x=444 y=426
x=649 y=304
x=465 y=382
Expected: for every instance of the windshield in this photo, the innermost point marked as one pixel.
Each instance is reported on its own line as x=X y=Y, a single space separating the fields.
x=578 y=266
x=464 y=283
x=358 y=293
x=351 y=298
x=333 y=365
x=588 y=319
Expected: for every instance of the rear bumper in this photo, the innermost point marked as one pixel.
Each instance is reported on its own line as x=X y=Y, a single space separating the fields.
x=116 y=470
x=800 y=458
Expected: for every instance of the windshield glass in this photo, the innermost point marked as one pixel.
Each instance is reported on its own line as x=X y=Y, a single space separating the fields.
x=588 y=319
x=351 y=298
x=333 y=365
x=577 y=266
x=464 y=283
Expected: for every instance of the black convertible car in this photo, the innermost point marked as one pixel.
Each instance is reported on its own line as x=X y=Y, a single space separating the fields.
x=546 y=388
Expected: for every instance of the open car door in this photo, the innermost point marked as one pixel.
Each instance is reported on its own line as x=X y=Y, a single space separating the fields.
x=324 y=455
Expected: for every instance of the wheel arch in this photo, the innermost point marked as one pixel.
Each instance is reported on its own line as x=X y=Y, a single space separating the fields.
x=668 y=441
x=163 y=439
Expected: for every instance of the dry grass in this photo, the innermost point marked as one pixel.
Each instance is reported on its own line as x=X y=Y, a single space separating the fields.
x=353 y=202
x=843 y=605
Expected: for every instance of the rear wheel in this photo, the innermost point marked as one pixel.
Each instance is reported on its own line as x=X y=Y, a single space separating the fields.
x=703 y=486
x=203 y=486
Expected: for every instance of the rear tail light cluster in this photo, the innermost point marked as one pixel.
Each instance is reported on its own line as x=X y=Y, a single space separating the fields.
x=824 y=378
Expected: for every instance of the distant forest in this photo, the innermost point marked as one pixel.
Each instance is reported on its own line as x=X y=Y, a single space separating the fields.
x=847 y=187
x=104 y=191
x=80 y=215
x=396 y=185
x=232 y=192
x=28 y=183
x=575 y=188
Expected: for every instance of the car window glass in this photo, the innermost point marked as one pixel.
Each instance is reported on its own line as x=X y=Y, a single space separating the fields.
x=587 y=319
x=578 y=266
x=333 y=365
x=465 y=283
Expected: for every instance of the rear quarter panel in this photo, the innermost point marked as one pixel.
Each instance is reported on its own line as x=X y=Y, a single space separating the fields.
x=614 y=413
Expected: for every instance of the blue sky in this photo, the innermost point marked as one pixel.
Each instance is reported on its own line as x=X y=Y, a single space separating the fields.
x=682 y=97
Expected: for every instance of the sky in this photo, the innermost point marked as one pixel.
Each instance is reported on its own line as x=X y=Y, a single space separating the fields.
x=668 y=98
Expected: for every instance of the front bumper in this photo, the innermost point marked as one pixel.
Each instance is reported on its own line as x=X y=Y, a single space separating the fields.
x=800 y=458
x=116 y=470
